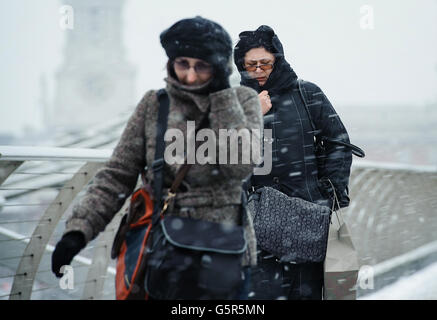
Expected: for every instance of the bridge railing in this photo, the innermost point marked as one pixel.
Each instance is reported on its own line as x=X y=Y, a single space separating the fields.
x=392 y=212
x=38 y=187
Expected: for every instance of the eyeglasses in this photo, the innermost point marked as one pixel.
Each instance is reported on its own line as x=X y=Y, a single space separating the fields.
x=264 y=67
x=199 y=67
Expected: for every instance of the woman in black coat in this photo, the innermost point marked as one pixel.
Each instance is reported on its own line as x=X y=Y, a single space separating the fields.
x=297 y=118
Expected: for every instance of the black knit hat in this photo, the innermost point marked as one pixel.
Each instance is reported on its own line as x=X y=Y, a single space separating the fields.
x=199 y=38
x=264 y=36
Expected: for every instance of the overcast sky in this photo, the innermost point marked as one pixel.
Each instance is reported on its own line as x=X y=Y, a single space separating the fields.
x=395 y=63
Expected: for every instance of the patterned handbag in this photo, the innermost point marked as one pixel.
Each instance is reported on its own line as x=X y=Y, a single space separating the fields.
x=292 y=229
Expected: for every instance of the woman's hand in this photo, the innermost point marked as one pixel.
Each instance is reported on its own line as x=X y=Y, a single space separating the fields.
x=65 y=250
x=266 y=104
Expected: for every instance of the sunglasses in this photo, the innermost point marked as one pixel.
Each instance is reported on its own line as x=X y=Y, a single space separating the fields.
x=264 y=67
x=199 y=67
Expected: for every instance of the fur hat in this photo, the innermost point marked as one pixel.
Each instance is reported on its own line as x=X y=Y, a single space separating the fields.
x=202 y=39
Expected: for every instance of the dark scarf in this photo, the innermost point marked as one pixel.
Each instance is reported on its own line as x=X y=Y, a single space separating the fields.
x=281 y=79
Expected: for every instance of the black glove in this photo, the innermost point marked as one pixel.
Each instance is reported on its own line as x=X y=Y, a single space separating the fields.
x=70 y=245
x=218 y=85
x=220 y=80
x=329 y=192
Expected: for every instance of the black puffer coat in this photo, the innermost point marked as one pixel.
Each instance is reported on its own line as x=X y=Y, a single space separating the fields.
x=294 y=164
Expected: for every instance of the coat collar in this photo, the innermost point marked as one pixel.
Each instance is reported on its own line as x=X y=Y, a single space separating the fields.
x=195 y=94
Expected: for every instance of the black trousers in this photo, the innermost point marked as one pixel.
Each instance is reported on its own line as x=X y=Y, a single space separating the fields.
x=273 y=280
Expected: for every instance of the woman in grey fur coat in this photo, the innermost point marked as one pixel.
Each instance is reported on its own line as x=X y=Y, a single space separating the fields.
x=199 y=67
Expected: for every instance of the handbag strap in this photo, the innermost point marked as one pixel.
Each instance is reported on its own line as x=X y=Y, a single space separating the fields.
x=302 y=96
x=355 y=150
x=161 y=205
x=334 y=204
x=183 y=170
x=158 y=163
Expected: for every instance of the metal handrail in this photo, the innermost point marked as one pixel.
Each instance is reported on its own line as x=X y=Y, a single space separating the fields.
x=31 y=153
x=14 y=153
x=11 y=158
x=393 y=166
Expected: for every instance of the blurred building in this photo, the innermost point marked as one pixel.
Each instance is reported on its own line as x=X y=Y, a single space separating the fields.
x=95 y=81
